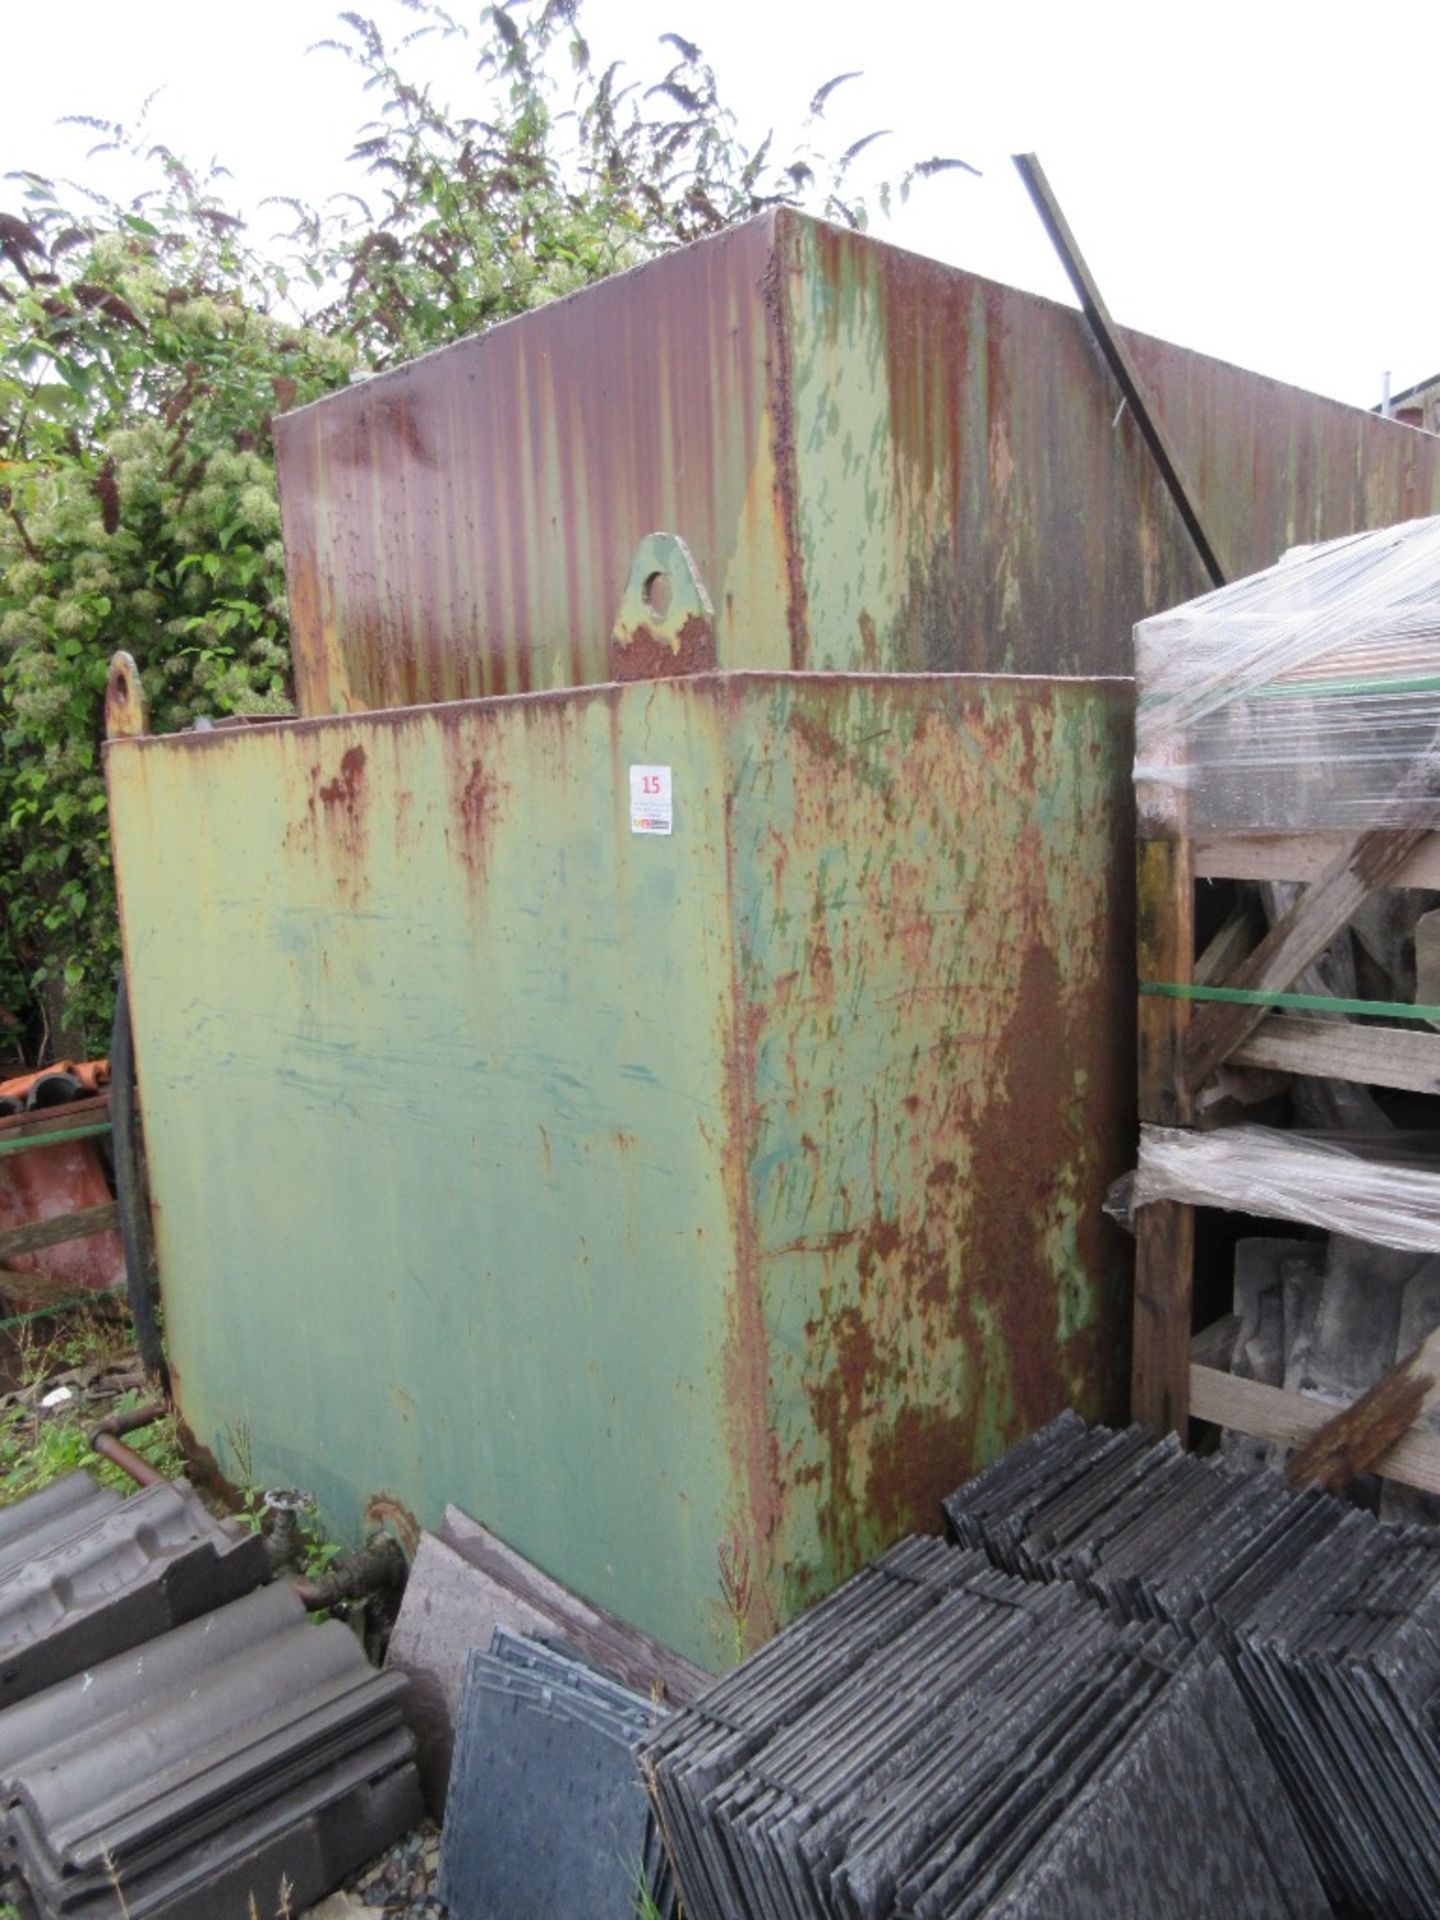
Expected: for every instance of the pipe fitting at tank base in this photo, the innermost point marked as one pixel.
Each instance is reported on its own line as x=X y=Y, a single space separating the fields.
x=284 y=1540
x=106 y=1441
x=378 y=1567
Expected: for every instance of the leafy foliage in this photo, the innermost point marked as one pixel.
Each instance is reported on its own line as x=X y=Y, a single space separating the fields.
x=140 y=362
x=145 y=346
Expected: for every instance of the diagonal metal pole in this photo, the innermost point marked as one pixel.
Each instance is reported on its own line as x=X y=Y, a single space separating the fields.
x=1117 y=356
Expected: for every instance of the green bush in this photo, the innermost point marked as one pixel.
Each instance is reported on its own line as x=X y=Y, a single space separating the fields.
x=140 y=362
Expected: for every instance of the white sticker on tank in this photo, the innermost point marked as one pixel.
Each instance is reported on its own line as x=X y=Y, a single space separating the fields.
x=650 y=810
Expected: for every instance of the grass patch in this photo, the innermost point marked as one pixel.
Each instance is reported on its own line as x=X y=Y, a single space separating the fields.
x=82 y=1337
x=41 y=1444
x=44 y=1445
x=643 y=1901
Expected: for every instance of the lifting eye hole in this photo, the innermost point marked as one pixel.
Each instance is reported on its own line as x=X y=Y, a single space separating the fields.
x=656 y=592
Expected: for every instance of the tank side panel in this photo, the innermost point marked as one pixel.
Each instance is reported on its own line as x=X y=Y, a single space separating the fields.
x=431 y=1097
x=971 y=496
x=464 y=525
x=935 y=992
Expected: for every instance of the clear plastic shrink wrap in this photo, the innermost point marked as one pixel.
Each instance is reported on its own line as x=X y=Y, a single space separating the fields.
x=1299 y=698
x=1341 y=1186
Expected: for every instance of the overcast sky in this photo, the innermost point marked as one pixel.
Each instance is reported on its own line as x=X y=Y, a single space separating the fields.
x=1253 y=180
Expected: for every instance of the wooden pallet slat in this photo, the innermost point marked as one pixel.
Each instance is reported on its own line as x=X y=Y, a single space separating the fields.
x=1405 y=1058
x=1353 y=1439
x=1298 y=856
x=1164 y=1232
x=92 y=1113
x=1234 y=940
x=38 y=1234
x=1290 y=1419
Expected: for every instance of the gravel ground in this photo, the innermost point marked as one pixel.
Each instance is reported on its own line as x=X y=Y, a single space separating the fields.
x=399 y=1882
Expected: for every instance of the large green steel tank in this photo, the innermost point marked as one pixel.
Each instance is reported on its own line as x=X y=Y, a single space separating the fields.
x=693 y=1208
x=696 y=1206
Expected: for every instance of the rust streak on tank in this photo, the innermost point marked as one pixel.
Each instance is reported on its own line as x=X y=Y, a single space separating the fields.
x=782 y=411
x=346 y=790
x=475 y=805
x=752 y=1440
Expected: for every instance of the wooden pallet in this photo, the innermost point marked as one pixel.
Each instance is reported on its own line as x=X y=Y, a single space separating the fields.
x=1177 y=1374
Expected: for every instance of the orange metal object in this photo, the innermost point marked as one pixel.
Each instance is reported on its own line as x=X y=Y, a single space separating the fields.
x=93 y=1076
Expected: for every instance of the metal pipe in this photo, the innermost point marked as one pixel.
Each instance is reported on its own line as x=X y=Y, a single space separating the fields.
x=379 y=1564
x=285 y=1506
x=106 y=1441
x=1117 y=357
x=132 y=1419
x=126 y=1458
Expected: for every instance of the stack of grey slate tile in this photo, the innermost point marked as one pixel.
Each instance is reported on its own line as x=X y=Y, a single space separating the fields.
x=247 y=1751
x=464 y=1585
x=1151 y=1531
x=86 y=1572
x=547 y=1811
x=1341 y=1665
x=941 y=1739
x=1328 y=1618
x=183 y=1770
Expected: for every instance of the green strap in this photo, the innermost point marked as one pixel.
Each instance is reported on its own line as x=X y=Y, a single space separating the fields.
x=54 y=1139
x=1301 y=1002
x=1313 y=689
x=1321 y=689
